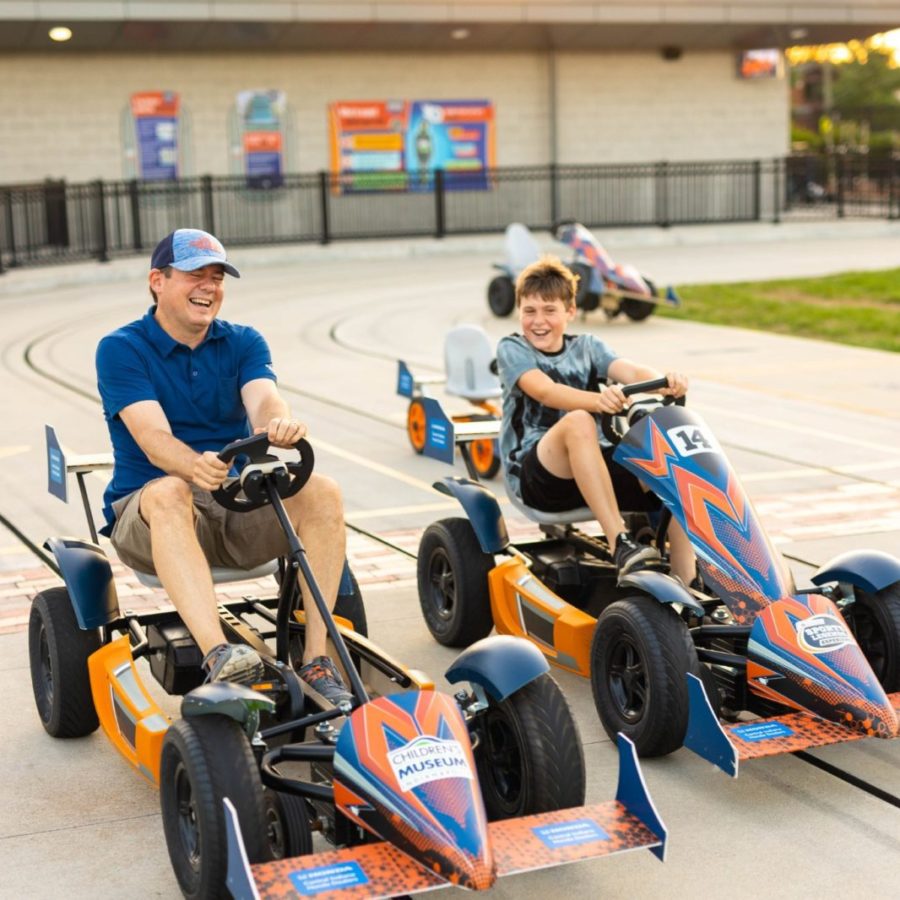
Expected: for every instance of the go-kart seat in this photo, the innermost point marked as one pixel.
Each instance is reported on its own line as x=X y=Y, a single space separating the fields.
x=566 y=517
x=468 y=355
x=521 y=247
x=220 y=575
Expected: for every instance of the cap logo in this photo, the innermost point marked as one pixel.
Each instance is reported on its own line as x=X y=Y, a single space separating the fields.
x=207 y=243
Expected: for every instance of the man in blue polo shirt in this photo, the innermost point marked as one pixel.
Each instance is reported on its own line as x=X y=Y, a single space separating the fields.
x=177 y=386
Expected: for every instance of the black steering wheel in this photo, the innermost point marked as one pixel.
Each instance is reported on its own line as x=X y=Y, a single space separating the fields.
x=607 y=420
x=249 y=491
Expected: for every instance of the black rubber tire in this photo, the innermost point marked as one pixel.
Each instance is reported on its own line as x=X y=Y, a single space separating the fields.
x=637 y=310
x=288 y=831
x=452 y=572
x=712 y=689
x=205 y=759
x=529 y=756
x=58 y=652
x=501 y=295
x=585 y=298
x=640 y=656
x=874 y=620
x=493 y=467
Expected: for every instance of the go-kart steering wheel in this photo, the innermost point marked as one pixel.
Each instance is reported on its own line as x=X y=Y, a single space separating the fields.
x=607 y=420
x=248 y=491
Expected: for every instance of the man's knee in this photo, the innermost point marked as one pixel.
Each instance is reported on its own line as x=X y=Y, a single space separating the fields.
x=321 y=497
x=166 y=497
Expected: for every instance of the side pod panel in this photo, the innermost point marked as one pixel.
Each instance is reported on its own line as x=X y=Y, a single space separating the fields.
x=88 y=577
x=501 y=664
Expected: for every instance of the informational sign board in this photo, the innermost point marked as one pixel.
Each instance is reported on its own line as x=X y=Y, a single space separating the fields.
x=156 y=121
x=760 y=64
x=261 y=115
x=398 y=144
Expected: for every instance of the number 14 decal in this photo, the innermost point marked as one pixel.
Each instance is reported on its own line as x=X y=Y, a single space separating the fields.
x=691 y=439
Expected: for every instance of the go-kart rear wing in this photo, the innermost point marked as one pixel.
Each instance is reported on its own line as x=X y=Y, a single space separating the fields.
x=442 y=435
x=59 y=466
x=544 y=840
x=409 y=385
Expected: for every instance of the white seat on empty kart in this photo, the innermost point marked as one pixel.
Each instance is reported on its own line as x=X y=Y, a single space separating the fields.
x=566 y=517
x=521 y=247
x=468 y=354
x=220 y=575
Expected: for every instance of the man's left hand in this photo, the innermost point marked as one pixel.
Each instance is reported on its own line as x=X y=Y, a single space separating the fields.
x=283 y=432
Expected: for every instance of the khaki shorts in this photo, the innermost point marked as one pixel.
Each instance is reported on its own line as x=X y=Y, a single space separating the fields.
x=234 y=540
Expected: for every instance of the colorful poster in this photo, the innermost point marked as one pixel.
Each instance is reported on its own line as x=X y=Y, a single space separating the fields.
x=398 y=144
x=261 y=115
x=155 y=115
x=454 y=135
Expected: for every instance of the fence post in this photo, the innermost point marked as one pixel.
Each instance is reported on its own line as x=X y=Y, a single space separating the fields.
x=554 y=194
x=891 y=198
x=135 y=204
x=662 y=194
x=10 y=225
x=757 y=190
x=102 y=250
x=776 y=196
x=839 y=171
x=209 y=219
x=323 y=207
x=439 y=224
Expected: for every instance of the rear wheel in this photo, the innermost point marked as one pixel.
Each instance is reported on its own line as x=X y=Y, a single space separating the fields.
x=205 y=759
x=637 y=310
x=640 y=656
x=485 y=457
x=501 y=295
x=874 y=620
x=453 y=583
x=529 y=756
x=415 y=425
x=58 y=652
x=287 y=825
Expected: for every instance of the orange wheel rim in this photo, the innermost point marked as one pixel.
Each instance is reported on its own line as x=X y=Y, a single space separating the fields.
x=415 y=426
x=482 y=453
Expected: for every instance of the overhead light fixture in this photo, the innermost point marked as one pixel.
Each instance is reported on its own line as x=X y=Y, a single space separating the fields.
x=459 y=34
x=60 y=33
x=797 y=34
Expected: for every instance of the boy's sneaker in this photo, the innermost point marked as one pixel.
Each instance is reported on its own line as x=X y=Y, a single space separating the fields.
x=321 y=675
x=237 y=663
x=629 y=554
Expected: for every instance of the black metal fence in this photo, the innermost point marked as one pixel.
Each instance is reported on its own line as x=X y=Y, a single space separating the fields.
x=59 y=222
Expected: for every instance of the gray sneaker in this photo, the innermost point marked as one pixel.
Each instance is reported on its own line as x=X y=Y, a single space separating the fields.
x=234 y=662
x=322 y=676
x=630 y=555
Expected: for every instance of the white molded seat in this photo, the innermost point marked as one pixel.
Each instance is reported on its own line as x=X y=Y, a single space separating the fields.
x=468 y=354
x=566 y=517
x=521 y=247
x=220 y=575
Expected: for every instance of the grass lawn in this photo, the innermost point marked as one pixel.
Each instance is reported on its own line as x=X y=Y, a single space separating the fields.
x=861 y=308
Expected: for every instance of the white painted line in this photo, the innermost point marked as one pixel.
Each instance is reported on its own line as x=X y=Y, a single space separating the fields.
x=6 y=452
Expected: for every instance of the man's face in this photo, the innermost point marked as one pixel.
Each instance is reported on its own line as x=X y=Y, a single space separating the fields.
x=189 y=300
x=544 y=322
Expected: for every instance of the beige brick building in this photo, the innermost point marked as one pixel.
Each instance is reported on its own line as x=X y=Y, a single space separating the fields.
x=571 y=82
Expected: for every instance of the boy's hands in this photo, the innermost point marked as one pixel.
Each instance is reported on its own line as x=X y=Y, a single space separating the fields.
x=678 y=385
x=611 y=400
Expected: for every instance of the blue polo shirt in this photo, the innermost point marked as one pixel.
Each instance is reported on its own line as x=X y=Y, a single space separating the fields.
x=199 y=391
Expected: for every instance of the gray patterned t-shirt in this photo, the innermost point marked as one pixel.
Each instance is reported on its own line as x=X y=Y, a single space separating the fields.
x=582 y=363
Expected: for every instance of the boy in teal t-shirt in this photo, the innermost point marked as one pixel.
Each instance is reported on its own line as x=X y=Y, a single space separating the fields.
x=555 y=457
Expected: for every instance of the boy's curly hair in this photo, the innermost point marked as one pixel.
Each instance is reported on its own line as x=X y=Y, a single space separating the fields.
x=548 y=278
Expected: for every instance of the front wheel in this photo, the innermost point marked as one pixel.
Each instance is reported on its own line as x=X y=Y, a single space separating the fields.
x=288 y=832
x=205 y=759
x=874 y=620
x=637 y=310
x=58 y=652
x=501 y=295
x=529 y=756
x=640 y=656
x=452 y=574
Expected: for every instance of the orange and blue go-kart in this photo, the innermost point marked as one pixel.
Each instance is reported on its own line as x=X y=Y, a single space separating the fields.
x=671 y=665
x=417 y=789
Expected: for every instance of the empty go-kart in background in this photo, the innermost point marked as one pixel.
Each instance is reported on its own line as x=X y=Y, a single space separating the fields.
x=813 y=429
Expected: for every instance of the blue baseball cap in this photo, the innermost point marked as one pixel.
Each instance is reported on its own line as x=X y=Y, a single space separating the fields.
x=187 y=249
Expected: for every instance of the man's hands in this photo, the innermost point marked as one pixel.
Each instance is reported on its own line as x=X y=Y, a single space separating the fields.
x=283 y=432
x=209 y=471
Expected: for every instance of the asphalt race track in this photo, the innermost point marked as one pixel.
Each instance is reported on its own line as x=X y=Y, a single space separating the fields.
x=812 y=429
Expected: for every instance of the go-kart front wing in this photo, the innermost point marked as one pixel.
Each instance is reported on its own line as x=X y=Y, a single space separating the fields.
x=369 y=871
x=726 y=744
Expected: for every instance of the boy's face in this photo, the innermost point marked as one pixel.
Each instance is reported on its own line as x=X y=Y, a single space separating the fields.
x=544 y=322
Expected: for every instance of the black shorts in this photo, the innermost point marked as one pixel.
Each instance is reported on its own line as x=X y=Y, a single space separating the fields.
x=544 y=491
